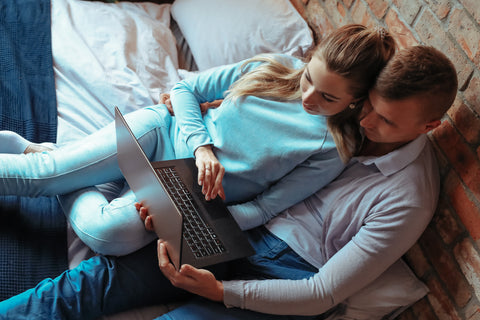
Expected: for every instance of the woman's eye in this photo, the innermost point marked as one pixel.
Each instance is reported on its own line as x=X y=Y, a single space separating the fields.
x=327 y=98
x=307 y=76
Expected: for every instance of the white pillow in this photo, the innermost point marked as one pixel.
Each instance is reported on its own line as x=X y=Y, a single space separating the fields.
x=385 y=298
x=226 y=31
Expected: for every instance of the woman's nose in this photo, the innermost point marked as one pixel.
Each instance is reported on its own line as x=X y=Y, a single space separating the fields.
x=308 y=95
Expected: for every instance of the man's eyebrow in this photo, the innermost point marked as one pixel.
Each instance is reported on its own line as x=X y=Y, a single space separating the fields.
x=387 y=120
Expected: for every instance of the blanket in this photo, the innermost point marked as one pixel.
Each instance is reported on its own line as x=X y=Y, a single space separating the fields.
x=32 y=231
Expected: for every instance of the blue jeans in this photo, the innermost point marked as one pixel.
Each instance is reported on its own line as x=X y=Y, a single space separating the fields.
x=72 y=171
x=106 y=285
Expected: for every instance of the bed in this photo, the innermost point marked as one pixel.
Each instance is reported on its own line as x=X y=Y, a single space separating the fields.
x=126 y=53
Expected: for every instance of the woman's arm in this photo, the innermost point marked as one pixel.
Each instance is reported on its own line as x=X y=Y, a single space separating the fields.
x=307 y=178
x=188 y=94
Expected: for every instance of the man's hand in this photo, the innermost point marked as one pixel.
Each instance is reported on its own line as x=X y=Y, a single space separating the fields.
x=198 y=281
x=143 y=213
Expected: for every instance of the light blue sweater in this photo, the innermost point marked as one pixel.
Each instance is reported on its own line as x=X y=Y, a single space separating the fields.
x=275 y=154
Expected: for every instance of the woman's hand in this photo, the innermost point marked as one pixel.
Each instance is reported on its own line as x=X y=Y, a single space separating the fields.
x=210 y=172
x=198 y=281
x=165 y=99
x=143 y=213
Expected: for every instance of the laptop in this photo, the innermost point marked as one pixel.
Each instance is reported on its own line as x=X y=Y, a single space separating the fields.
x=195 y=231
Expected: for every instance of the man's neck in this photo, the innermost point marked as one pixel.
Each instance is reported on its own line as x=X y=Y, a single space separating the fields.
x=378 y=149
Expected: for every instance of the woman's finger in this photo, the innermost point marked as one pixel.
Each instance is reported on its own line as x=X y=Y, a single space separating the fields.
x=217 y=184
x=207 y=182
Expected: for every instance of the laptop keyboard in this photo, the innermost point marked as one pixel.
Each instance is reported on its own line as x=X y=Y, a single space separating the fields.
x=200 y=237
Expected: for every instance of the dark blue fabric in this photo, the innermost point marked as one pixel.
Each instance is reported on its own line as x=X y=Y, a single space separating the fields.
x=27 y=87
x=32 y=231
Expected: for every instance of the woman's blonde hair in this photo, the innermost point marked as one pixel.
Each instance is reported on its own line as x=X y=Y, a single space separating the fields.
x=353 y=51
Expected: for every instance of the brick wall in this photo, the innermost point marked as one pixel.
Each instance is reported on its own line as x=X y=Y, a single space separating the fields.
x=447 y=257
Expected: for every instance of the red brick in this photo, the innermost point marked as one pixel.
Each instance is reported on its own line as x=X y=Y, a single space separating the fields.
x=408 y=9
x=399 y=30
x=472 y=93
x=466 y=210
x=361 y=15
x=423 y=310
x=440 y=7
x=473 y=8
x=461 y=156
x=415 y=258
x=466 y=121
x=466 y=32
x=469 y=261
x=442 y=306
x=341 y=10
x=319 y=18
x=447 y=270
x=432 y=33
x=378 y=7
x=445 y=223
x=348 y=3
x=473 y=313
x=332 y=9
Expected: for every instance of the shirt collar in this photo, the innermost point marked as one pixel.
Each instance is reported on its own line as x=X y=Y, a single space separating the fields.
x=398 y=159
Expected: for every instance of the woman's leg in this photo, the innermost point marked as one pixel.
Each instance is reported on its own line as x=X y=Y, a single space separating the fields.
x=86 y=162
x=12 y=142
x=98 y=286
x=113 y=227
x=109 y=228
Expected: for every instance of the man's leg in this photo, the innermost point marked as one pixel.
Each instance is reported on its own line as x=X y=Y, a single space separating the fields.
x=98 y=286
x=201 y=309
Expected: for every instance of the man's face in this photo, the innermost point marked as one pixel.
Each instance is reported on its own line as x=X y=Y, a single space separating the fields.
x=394 y=122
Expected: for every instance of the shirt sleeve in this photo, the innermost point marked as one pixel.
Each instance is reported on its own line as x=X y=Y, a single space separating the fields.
x=206 y=86
x=349 y=270
x=307 y=178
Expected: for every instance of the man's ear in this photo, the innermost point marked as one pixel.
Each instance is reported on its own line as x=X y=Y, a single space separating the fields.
x=432 y=125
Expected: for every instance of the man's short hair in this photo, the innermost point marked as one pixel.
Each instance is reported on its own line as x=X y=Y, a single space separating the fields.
x=421 y=71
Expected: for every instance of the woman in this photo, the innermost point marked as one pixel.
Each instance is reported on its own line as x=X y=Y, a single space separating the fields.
x=269 y=136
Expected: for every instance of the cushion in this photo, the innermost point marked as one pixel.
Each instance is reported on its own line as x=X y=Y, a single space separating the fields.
x=387 y=296
x=226 y=31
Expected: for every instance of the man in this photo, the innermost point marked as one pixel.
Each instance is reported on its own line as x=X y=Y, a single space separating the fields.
x=325 y=248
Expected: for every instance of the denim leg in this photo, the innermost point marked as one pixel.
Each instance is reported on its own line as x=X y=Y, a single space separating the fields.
x=98 y=286
x=202 y=309
x=87 y=162
x=273 y=259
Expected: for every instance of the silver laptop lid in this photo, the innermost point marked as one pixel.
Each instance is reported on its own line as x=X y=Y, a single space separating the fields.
x=148 y=189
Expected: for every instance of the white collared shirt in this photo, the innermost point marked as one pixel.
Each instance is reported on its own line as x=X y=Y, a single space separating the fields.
x=352 y=230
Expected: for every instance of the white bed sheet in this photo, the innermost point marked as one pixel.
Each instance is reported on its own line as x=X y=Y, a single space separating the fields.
x=108 y=54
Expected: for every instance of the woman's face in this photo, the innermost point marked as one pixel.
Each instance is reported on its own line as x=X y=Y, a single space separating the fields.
x=323 y=92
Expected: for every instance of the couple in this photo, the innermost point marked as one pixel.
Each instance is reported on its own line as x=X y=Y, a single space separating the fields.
x=313 y=254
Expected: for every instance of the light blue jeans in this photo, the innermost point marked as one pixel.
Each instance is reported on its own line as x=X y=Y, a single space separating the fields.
x=106 y=285
x=72 y=171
